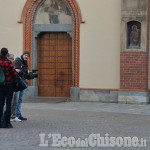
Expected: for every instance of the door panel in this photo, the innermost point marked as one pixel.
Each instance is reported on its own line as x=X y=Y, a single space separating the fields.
x=54 y=64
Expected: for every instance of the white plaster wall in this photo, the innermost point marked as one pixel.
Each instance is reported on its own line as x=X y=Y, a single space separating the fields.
x=10 y=30
x=100 y=44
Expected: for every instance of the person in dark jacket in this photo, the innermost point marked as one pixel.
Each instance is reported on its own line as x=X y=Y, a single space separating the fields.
x=21 y=62
x=6 y=90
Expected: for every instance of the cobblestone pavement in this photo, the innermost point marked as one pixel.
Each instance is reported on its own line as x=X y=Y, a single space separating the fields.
x=77 y=119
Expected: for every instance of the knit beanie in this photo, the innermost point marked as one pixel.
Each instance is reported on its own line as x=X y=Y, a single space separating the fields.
x=26 y=52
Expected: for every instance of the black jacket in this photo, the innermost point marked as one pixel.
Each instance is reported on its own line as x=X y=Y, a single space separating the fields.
x=21 y=64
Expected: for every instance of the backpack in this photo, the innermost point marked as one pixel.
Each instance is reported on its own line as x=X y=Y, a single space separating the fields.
x=2 y=77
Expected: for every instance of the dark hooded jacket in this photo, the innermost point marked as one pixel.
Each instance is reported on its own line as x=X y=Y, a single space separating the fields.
x=22 y=64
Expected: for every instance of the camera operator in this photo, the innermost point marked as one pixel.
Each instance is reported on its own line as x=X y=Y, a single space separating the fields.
x=22 y=62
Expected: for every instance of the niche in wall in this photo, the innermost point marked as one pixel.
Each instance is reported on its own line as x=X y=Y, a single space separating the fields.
x=133 y=35
x=134 y=25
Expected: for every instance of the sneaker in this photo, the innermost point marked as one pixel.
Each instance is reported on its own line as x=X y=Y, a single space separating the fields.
x=22 y=118
x=11 y=120
x=8 y=125
x=16 y=119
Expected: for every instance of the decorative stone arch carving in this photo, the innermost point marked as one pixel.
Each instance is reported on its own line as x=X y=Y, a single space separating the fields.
x=27 y=19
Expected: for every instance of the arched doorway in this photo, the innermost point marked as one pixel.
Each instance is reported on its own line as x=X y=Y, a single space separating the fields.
x=31 y=32
x=51 y=22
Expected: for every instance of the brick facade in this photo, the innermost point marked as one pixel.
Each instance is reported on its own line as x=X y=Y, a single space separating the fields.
x=134 y=67
x=134 y=70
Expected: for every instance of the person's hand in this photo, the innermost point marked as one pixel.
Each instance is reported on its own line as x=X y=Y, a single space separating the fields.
x=29 y=71
x=18 y=70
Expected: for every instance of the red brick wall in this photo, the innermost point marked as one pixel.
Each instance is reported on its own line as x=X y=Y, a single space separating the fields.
x=134 y=70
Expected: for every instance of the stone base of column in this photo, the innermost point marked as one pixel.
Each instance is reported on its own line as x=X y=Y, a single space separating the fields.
x=75 y=94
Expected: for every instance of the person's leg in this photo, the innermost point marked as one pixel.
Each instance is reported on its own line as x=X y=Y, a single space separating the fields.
x=9 y=95
x=2 y=101
x=14 y=107
x=4 y=108
x=18 y=110
x=14 y=104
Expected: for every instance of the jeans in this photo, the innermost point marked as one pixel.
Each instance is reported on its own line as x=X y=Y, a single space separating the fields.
x=4 y=108
x=6 y=93
x=14 y=104
x=18 y=110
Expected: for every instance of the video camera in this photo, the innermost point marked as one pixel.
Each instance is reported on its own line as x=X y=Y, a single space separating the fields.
x=24 y=73
x=33 y=74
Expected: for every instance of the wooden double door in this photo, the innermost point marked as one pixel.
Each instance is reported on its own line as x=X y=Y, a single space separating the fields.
x=54 y=64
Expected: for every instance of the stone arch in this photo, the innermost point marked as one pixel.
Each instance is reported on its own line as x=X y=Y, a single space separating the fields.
x=27 y=21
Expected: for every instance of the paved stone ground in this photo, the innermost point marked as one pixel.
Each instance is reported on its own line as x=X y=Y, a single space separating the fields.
x=78 y=119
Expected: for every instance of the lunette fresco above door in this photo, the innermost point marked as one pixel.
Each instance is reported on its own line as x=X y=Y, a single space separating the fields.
x=54 y=12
